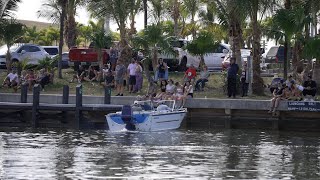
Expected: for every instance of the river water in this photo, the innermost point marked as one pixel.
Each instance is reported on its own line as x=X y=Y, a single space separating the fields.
x=180 y=154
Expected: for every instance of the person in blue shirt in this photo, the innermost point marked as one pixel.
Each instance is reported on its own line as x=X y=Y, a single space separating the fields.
x=232 y=78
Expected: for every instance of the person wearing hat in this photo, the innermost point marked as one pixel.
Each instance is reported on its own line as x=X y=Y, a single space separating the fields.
x=190 y=73
x=11 y=79
x=310 y=87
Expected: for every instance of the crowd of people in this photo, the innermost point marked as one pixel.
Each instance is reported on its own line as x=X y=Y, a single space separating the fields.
x=28 y=77
x=118 y=76
x=291 y=90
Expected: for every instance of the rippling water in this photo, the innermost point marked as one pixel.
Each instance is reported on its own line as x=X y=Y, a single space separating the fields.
x=184 y=154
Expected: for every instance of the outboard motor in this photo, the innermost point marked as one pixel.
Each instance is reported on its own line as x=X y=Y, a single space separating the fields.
x=127 y=117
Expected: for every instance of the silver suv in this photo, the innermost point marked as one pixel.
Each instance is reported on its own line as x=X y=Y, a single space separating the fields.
x=19 y=52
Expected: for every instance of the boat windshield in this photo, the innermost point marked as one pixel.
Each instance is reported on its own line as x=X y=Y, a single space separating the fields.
x=145 y=105
x=169 y=103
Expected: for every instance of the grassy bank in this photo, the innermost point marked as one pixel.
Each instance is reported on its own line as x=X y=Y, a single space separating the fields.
x=214 y=88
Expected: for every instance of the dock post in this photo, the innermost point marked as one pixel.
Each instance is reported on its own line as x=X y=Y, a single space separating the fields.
x=36 y=101
x=107 y=95
x=227 y=121
x=78 y=114
x=24 y=93
x=65 y=100
x=65 y=95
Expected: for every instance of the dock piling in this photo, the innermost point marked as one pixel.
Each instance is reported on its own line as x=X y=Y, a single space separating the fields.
x=36 y=101
x=78 y=112
x=107 y=95
x=65 y=100
x=24 y=93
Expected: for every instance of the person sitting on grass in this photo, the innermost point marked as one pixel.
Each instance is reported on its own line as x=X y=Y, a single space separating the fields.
x=204 y=75
x=31 y=78
x=278 y=95
x=92 y=75
x=310 y=88
x=109 y=80
x=80 y=74
x=191 y=73
x=11 y=80
x=162 y=92
x=23 y=78
x=43 y=78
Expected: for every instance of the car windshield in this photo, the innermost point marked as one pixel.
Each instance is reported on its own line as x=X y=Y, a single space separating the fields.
x=51 y=51
x=273 y=51
x=177 y=44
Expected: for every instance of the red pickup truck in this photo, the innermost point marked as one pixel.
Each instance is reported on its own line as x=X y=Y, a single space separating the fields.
x=86 y=57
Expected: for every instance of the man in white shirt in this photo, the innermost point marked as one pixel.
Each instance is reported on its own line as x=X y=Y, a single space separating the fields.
x=132 y=74
x=11 y=80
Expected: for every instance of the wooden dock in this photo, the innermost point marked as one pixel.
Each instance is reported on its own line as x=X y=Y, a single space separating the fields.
x=35 y=114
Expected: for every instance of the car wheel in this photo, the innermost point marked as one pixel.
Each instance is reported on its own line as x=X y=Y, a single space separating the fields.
x=183 y=65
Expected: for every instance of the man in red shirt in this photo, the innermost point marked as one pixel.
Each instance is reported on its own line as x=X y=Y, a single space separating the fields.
x=191 y=73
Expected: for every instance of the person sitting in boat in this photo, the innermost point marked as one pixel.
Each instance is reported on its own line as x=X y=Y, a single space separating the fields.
x=162 y=107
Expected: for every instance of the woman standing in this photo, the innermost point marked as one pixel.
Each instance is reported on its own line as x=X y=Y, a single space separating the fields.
x=139 y=77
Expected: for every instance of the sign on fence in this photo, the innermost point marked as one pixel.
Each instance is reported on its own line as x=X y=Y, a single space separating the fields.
x=304 y=106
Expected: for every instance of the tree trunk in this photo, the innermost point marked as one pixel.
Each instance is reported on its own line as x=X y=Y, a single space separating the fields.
x=176 y=14
x=107 y=24
x=100 y=58
x=194 y=33
x=235 y=32
x=8 y=59
x=62 y=17
x=257 y=87
x=72 y=31
x=286 y=57
x=145 y=8
x=154 y=58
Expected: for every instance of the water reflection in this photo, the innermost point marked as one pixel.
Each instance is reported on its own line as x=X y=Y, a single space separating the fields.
x=184 y=154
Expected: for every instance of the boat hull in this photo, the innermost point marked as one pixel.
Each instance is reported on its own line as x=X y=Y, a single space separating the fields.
x=148 y=121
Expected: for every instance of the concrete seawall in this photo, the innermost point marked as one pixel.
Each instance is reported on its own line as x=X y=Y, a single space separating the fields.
x=212 y=113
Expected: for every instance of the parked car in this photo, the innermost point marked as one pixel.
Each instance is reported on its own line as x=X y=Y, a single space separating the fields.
x=244 y=56
x=51 y=50
x=65 y=59
x=19 y=52
x=275 y=55
x=212 y=59
x=86 y=56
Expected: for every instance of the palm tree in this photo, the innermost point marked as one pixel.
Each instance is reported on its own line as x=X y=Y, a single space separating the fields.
x=10 y=31
x=203 y=44
x=174 y=11
x=119 y=11
x=7 y=7
x=145 y=9
x=311 y=51
x=53 y=34
x=101 y=40
x=158 y=10
x=255 y=7
x=63 y=5
x=150 y=40
x=135 y=8
x=192 y=6
x=31 y=34
x=232 y=14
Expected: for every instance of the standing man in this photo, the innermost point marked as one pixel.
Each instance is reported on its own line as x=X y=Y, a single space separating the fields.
x=120 y=72
x=132 y=74
x=232 y=78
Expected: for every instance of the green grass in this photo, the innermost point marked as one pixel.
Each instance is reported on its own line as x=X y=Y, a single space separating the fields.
x=213 y=89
